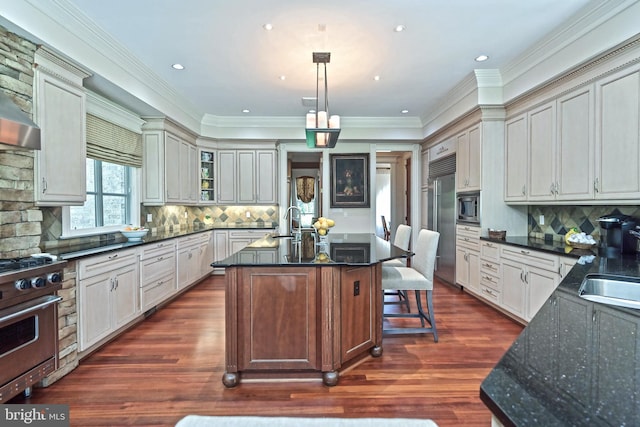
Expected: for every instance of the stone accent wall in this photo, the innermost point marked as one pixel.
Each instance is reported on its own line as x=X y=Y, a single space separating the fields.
x=20 y=220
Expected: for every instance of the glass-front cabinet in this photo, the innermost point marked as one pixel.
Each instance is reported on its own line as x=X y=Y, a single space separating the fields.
x=207 y=176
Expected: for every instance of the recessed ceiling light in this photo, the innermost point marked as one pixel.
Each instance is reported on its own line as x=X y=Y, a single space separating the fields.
x=283 y=77
x=404 y=111
x=246 y=110
x=177 y=66
x=268 y=27
x=399 y=28
x=376 y=78
x=482 y=58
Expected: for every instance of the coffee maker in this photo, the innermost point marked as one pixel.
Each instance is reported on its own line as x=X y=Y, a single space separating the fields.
x=615 y=238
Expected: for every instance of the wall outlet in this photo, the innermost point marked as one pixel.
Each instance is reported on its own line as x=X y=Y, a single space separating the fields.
x=541 y=220
x=149 y=217
x=247 y=214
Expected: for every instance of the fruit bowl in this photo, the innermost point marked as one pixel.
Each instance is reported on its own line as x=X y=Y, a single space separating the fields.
x=134 y=234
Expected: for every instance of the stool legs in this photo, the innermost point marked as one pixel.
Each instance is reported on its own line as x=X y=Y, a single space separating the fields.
x=425 y=317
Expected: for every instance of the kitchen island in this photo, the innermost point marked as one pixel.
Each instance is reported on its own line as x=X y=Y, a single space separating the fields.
x=298 y=308
x=576 y=363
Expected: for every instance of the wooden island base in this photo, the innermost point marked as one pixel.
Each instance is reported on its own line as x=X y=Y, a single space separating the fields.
x=300 y=322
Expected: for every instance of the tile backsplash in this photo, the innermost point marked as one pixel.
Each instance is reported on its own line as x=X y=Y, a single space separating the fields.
x=166 y=218
x=560 y=219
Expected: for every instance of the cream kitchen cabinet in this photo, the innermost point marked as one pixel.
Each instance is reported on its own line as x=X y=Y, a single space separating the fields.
x=528 y=279
x=157 y=273
x=516 y=162
x=490 y=287
x=247 y=176
x=107 y=295
x=468 y=257
x=541 y=148
x=573 y=148
x=194 y=258
x=468 y=159
x=170 y=164
x=618 y=136
x=59 y=111
x=561 y=148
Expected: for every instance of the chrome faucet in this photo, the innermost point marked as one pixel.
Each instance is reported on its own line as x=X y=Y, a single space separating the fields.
x=289 y=215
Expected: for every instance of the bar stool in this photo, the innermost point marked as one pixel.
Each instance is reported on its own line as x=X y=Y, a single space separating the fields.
x=401 y=239
x=418 y=277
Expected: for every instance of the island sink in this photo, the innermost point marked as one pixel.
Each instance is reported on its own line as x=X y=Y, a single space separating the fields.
x=622 y=291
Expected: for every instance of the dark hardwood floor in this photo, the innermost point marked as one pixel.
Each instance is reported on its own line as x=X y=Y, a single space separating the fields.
x=171 y=365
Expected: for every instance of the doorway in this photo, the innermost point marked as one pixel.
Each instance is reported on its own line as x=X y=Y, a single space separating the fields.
x=393 y=181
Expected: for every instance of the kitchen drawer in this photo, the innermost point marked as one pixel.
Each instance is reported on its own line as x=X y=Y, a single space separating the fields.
x=249 y=234
x=191 y=240
x=490 y=294
x=155 y=292
x=490 y=281
x=106 y=263
x=468 y=237
x=491 y=267
x=490 y=251
x=155 y=250
x=531 y=258
x=468 y=231
x=154 y=268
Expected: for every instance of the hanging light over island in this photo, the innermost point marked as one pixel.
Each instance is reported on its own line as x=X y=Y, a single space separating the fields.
x=322 y=130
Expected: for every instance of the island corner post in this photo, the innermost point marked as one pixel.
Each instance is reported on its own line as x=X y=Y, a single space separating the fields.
x=300 y=322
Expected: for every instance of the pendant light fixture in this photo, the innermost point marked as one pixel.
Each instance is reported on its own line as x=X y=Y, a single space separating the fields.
x=322 y=130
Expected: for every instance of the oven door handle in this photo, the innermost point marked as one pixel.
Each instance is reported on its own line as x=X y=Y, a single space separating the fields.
x=42 y=303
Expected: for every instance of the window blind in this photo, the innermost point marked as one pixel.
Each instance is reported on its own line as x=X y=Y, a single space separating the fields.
x=112 y=143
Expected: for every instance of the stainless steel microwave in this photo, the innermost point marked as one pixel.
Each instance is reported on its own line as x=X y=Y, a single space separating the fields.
x=469 y=208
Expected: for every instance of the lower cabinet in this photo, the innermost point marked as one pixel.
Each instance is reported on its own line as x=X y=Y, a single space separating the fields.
x=287 y=323
x=515 y=279
x=107 y=295
x=157 y=273
x=468 y=257
x=194 y=258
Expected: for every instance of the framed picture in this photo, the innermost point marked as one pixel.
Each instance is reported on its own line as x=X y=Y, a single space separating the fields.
x=349 y=180
x=357 y=253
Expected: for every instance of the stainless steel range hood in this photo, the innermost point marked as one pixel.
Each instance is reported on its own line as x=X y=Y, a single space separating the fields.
x=17 y=130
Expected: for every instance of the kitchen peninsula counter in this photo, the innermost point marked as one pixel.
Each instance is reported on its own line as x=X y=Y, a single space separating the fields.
x=293 y=314
x=576 y=363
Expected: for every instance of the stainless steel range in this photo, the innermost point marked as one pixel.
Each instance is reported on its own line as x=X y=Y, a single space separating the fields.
x=28 y=322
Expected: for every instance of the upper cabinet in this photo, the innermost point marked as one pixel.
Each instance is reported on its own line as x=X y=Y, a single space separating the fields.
x=170 y=164
x=618 y=136
x=516 y=164
x=59 y=111
x=247 y=176
x=573 y=148
x=468 y=160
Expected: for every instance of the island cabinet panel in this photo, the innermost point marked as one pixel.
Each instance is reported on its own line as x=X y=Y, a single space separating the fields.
x=302 y=322
x=277 y=319
x=357 y=311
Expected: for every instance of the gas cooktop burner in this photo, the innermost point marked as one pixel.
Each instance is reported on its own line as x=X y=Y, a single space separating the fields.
x=22 y=263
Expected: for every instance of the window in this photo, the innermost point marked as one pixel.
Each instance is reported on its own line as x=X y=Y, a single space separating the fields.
x=111 y=201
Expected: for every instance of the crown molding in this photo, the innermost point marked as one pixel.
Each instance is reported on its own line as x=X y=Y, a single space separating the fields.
x=94 y=49
x=113 y=113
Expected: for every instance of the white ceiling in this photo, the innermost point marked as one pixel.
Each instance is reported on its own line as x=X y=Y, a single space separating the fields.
x=232 y=63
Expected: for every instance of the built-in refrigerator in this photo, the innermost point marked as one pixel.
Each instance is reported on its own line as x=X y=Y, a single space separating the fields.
x=442 y=218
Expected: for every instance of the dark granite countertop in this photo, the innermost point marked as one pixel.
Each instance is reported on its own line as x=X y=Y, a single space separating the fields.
x=120 y=242
x=553 y=247
x=340 y=249
x=577 y=363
